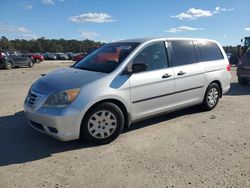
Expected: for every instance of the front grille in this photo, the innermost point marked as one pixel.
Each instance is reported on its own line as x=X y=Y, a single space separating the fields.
x=32 y=99
x=246 y=67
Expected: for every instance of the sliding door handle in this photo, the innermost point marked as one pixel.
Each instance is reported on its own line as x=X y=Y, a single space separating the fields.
x=181 y=73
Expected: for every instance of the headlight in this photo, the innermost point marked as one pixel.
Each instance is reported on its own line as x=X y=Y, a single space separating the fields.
x=62 y=99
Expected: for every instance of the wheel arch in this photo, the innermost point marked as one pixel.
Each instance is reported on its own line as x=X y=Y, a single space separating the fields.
x=219 y=84
x=10 y=61
x=121 y=105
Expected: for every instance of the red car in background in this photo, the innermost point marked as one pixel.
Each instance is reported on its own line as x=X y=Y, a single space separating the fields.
x=37 y=57
x=79 y=57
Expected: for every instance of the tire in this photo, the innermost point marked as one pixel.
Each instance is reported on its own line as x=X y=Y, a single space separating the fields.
x=31 y=64
x=8 y=65
x=102 y=124
x=242 y=81
x=211 y=97
x=38 y=61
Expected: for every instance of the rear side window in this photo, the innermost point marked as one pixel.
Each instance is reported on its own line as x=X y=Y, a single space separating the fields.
x=183 y=52
x=210 y=51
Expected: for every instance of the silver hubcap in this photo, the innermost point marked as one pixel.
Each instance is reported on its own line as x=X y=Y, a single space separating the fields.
x=212 y=97
x=102 y=124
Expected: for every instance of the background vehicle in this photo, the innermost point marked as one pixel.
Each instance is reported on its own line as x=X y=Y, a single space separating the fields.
x=49 y=56
x=244 y=46
x=2 y=59
x=79 y=56
x=61 y=56
x=70 y=55
x=13 y=58
x=37 y=57
x=127 y=81
x=243 y=69
x=233 y=58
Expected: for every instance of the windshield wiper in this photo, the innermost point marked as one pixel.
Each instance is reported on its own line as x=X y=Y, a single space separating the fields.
x=93 y=70
x=83 y=68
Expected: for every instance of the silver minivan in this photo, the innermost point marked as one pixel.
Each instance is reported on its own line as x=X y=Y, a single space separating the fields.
x=124 y=82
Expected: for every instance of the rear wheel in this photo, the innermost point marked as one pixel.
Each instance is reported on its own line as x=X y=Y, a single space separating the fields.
x=102 y=124
x=211 y=97
x=8 y=65
x=30 y=64
x=242 y=81
x=37 y=60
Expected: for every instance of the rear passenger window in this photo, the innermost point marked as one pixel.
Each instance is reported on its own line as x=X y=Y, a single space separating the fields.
x=210 y=51
x=183 y=52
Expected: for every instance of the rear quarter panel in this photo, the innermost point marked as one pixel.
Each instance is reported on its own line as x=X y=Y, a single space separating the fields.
x=217 y=71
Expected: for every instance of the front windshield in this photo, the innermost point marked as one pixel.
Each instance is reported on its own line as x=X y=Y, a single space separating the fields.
x=248 y=52
x=106 y=58
x=247 y=41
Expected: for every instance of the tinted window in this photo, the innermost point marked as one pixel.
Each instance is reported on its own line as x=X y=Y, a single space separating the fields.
x=183 y=52
x=247 y=41
x=210 y=51
x=154 y=56
x=248 y=53
x=106 y=58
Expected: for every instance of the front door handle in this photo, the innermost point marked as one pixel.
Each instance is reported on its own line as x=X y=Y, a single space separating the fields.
x=166 y=75
x=181 y=73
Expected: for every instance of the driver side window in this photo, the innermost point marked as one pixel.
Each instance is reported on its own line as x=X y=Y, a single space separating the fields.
x=153 y=55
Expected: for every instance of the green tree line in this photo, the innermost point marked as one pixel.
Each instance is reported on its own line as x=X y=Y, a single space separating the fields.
x=48 y=45
x=61 y=45
x=231 y=49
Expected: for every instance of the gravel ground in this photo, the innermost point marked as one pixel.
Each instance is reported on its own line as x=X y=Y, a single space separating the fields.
x=188 y=148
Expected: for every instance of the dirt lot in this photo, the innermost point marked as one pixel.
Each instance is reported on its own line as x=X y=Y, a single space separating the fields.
x=189 y=148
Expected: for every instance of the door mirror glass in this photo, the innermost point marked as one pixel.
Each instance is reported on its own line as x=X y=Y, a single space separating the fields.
x=140 y=67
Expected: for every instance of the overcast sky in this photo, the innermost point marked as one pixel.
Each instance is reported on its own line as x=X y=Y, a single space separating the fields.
x=108 y=20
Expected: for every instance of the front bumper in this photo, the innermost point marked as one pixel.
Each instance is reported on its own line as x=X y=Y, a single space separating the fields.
x=243 y=72
x=63 y=126
x=2 y=62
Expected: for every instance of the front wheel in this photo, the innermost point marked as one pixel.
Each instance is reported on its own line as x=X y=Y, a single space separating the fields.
x=102 y=124
x=211 y=97
x=8 y=65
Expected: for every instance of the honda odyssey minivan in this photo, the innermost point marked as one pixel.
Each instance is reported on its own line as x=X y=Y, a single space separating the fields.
x=124 y=82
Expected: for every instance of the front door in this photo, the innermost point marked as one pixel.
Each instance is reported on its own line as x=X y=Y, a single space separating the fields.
x=152 y=90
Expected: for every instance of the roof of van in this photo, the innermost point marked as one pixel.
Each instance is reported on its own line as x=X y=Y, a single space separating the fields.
x=141 y=40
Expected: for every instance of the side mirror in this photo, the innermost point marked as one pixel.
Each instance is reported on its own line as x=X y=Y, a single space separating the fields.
x=139 y=67
x=241 y=40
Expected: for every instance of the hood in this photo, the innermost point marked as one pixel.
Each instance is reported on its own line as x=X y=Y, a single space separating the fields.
x=65 y=78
